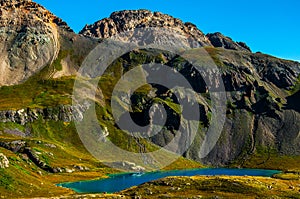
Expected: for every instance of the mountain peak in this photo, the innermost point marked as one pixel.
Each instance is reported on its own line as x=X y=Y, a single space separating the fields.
x=127 y=20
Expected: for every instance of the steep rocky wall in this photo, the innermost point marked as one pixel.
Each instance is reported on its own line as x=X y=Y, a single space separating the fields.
x=242 y=137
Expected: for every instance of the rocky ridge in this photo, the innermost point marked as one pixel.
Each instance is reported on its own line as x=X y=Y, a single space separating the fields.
x=22 y=147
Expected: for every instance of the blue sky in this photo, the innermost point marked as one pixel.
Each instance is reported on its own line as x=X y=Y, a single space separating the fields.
x=269 y=26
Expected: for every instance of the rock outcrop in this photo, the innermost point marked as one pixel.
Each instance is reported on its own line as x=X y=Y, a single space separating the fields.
x=219 y=40
x=4 y=162
x=65 y=113
x=128 y=166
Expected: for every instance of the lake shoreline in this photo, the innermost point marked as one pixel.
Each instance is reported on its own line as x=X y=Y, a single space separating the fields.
x=136 y=179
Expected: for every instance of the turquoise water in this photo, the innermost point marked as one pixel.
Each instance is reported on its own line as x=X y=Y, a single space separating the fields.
x=119 y=182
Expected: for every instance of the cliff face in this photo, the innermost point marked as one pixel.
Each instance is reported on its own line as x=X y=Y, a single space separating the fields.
x=29 y=39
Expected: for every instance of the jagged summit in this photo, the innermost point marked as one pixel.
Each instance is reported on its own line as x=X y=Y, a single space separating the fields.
x=126 y=20
x=130 y=19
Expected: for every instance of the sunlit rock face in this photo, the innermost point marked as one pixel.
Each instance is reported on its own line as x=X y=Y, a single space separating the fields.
x=127 y=20
x=28 y=40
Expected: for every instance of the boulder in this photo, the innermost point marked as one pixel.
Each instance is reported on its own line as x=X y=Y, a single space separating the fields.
x=4 y=163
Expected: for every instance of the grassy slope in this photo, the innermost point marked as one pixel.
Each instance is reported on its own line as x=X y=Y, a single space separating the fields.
x=24 y=176
x=37 y=92
x=22 y=179
x=215 y=187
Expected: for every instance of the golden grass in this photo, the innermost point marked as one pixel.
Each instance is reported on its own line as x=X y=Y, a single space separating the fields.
x=221 y=186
